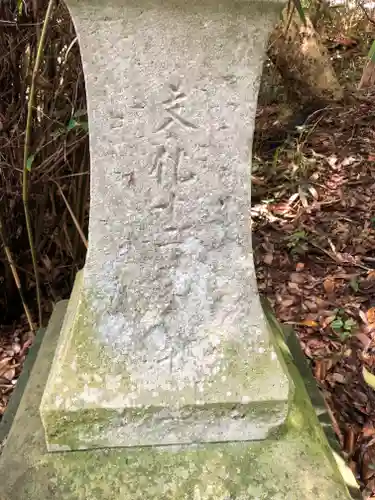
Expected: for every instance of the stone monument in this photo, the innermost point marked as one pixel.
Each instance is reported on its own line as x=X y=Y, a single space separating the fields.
x=166 y=342
x=165 y=382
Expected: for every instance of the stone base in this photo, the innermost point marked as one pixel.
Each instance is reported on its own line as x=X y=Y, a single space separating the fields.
x=296 y=463
x=92 y=402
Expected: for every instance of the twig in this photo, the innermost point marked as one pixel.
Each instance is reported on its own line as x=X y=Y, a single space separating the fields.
x=25 y=176
x=13 y=268
x=76 y=223
x=363 y=9
x=291 y=10
x=17 y=24
x=336 y=259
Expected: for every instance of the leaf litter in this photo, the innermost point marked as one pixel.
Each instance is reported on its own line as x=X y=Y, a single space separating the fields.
x=313 y=213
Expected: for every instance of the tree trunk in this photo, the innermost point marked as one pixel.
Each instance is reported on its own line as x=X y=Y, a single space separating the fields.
x=303 y=62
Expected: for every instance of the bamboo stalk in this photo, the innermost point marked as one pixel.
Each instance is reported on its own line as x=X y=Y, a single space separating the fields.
x=25 y=176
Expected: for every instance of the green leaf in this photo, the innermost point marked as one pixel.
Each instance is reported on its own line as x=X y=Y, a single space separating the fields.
x=77 y=124
x=29 y=162
x=300 y=10
x=72 y=124
x=298 y=235
x=371 y=54
x=350 y=324
x=345 y=335
x=337 y=324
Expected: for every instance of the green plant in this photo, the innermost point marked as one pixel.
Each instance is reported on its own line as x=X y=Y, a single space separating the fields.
x=343 y=325
x=297 y=242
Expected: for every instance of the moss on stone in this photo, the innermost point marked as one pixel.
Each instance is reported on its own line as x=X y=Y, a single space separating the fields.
x=294 y=463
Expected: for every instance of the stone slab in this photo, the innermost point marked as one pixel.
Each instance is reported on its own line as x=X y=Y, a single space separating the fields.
x=294 y=464
x=167 y=342
x=113 y=424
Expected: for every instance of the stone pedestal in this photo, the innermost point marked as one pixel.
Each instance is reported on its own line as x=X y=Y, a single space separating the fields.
x=165 y=341
x=294 y=463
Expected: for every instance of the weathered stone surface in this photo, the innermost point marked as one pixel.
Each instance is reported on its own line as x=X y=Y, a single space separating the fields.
x=165 y=341
x=293 y=464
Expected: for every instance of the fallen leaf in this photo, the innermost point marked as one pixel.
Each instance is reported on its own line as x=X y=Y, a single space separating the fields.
x=327 y=321
x=311 y=306
x=369 y=378
x=288 y=302
x=309 y=322
x=370 y=314
x=297 y=278
x=280 y=208
x=4 y=365
x=9 y=374
x=268 y=259
x=313 y=192
x=329 y=286
x=293 y=287
x=363 y=317
x=364 y=339
x=339 y=378
x=368 y=430
x=257 y=181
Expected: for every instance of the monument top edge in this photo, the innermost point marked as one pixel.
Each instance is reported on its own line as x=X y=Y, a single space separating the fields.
x=184 y=4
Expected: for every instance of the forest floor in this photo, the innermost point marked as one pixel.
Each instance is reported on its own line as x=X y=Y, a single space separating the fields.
x=313 y=213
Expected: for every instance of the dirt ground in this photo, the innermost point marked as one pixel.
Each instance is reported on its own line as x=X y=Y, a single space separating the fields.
x=313 y=218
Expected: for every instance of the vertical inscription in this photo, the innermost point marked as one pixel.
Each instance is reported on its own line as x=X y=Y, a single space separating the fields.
x=169 y=155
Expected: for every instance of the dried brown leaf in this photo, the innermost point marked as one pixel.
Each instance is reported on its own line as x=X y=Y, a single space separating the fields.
x=287 y=302
x=370 y=314
x=293 y=287
x=363 y=316
x=4 y=364
x=364 y=339
x=368 y=430
x=338 y=377
x=268 y=259
x=298 y=278
x=327 y=321
x=313 y=192
x=9 y=374
x=309 y=322
x=311 y=306
x=329 y=286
